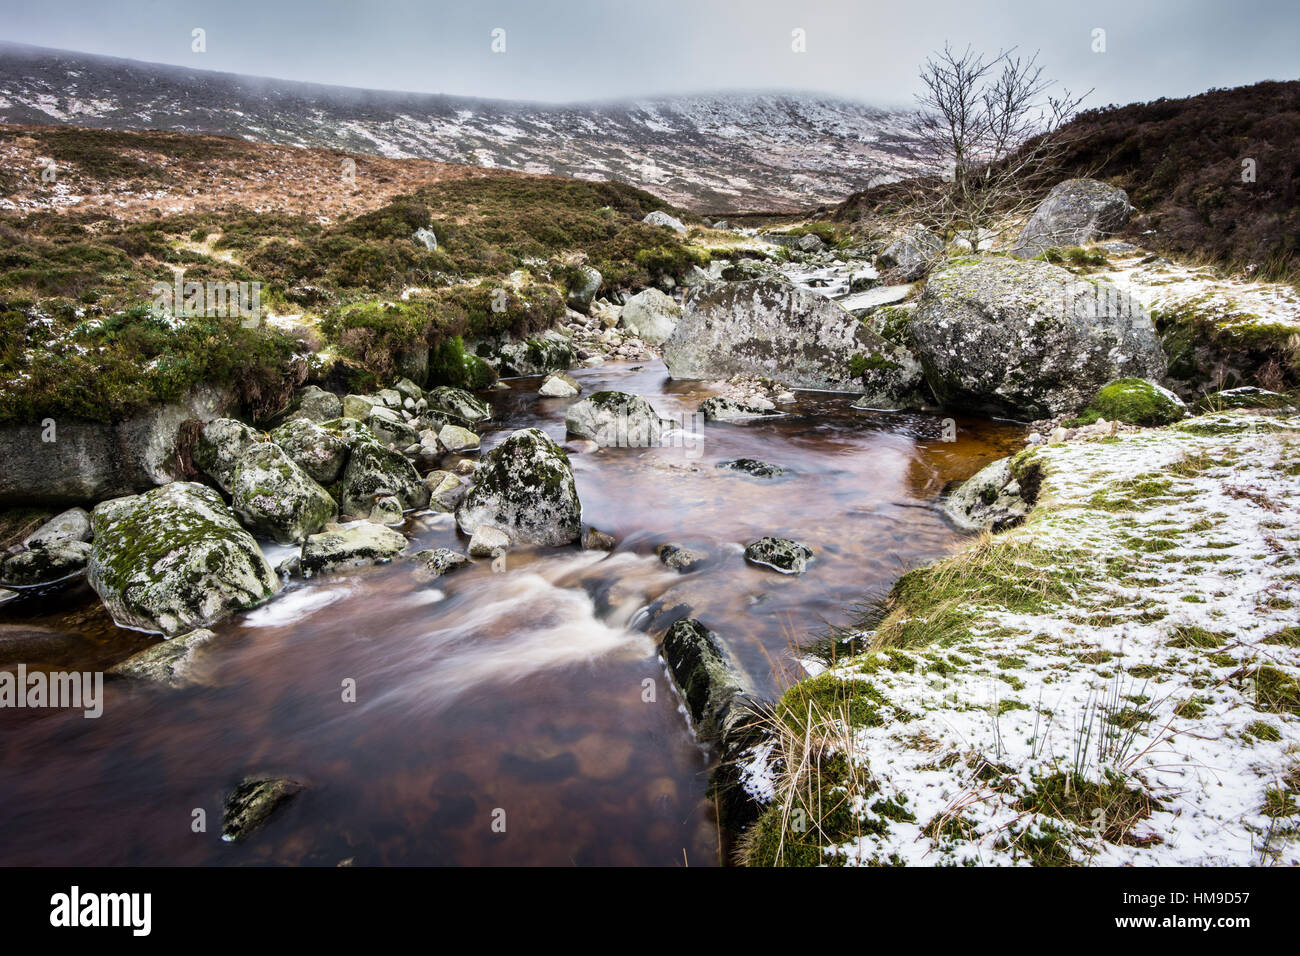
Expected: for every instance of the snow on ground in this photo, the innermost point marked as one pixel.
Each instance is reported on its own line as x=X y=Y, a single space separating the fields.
x=1147 y=717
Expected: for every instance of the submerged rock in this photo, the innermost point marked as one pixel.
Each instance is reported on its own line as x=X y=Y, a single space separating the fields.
x=252 y=803
x=169 y=663
x=1074 y=212
x=679 y=558
x=352 y=547
x=779 y=554
x=651 y=316
x=524 y=488
x=174 y=559
x=594 y=540
x=754 y=468
x=615 y=419
x=1028 y=338
x=273 y=496
x=488 y=542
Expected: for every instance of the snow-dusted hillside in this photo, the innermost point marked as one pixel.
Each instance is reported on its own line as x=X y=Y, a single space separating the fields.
x=725 y=152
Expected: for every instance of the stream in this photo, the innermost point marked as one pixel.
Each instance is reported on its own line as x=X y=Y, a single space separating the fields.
x=511 y=717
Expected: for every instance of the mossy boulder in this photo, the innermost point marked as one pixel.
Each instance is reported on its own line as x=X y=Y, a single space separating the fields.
x=549 y=352
x=313 y=448
x=525 y=488
x=45 y=563
x=583 y=284
x=993 y=499
x=1028 y=339
x=458 y=403
x=713 y=686
x=1134 y=401
x=251 y=804
x=374 y=471
x=391 y=428
x=445 y=490
x=174 y=559
x=272 y=495
x=353 y=546
x=719 y=409
x=435 y=562
x=220 y=446
x=615 y=420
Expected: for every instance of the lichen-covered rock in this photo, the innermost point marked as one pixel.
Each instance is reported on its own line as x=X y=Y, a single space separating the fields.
x=1028 y=338
x=174 y=559
x=314 y=404
x=712 y=684
x=679 y=558
x=354 y=546
x=651 y=316
x=719 y=409
x=351 y=431
x=1134 y=401
x=220 y=446
x=459 y=403
x=274 y=496
x=170 y=663
x=560 y=385
x=45 y=563
x=525 y=488
x=583 y=290
x=548 y=353
x=1074 y=212
x=357 y=406
x=458 y=440
x=387 y=511
x=769 y=327
x=374 y=471
x=661 y=218
x=318 y=452
x=71 y=525
x=445 y=490
x=754 y=468
x=389 y=427
x=994 y=498
x=252 y=803
x=779 y=554
x=615 y=419
x=434 y=563
x=911 y=255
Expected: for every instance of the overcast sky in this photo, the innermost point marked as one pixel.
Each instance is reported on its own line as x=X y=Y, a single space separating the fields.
x=567 y=50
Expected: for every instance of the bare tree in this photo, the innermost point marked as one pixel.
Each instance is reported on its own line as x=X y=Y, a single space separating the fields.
x=989 y=127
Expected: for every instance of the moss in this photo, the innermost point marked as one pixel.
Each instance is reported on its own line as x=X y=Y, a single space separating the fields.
x=451 y=364
x=1134 y=401
x=1110 y=807
x=1263 y=730
x=1194 y=636
x=1276 y=691
x=1077 y=256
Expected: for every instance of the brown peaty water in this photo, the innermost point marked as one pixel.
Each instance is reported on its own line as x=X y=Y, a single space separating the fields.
x=487 y=698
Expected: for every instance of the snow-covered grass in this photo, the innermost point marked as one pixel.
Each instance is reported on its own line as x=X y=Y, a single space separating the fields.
x=1115 y=681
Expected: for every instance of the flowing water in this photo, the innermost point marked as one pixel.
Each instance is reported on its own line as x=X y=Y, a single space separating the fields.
x=520 y=698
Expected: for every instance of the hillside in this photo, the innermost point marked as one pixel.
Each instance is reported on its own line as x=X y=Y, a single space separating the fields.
x=718 y=153
x=1181 y=162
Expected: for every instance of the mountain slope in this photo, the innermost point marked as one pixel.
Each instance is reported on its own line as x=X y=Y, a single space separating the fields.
x=720 y=153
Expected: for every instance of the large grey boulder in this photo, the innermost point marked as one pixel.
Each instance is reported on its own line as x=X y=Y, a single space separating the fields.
x=661 y=218
x=1074 y=212
x=374 y=471
x=615 y=420
x=174 y=559
x=1028 y=338
x=911 y=255
x=583 y=290
x=314 y=449
x=525 y=488
x=550 y=352
x=769 y=327
x=458 y=403
x=274 y=496
x=220 y=446
x=651 y=316
x=71 y=462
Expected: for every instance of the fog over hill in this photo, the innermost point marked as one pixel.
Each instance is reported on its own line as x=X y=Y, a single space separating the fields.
x=710 y=152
